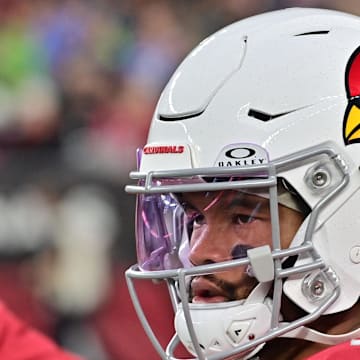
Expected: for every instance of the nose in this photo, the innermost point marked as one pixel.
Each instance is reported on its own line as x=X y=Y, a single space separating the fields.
x=211 y=245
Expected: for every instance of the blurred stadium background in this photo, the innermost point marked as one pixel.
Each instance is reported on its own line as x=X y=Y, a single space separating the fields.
x=79 y=80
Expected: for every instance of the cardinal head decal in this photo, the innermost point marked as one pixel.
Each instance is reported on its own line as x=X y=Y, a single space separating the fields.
x=351 y=125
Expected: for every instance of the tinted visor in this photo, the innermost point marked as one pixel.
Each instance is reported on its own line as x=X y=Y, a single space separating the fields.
x=170 y=223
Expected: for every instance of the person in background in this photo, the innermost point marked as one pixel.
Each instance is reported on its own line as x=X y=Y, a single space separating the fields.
x=19 y=341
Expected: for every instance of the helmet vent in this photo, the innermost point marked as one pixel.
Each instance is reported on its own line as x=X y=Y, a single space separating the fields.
x=177 y=118
x=263 y=116
x=319 y=32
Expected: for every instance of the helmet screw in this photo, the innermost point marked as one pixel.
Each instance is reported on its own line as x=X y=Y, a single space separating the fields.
x=317 y=287
x=355 y=254
x=320 y=178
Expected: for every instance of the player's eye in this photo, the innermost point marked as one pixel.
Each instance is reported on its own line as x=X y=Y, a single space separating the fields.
x=194 y=217
x=241 y=219
x=199 y=219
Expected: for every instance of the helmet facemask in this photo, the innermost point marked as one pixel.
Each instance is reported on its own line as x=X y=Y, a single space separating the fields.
x=215 y=319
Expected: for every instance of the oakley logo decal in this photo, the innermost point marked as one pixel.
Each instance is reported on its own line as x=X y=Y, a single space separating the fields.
x=240 y=153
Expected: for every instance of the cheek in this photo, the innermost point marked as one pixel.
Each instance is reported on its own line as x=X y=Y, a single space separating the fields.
x=196 y=234
x=246 y=285
x=255 y=234
x=290 y=222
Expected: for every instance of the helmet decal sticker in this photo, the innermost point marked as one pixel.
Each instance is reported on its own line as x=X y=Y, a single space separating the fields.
x=163 y=149
x=351 y=124
x=242 y=154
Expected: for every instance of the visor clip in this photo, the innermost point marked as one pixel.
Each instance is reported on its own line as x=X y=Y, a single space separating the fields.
x=262 y=264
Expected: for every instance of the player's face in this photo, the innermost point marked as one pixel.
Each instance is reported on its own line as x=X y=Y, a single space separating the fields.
x=224 y=226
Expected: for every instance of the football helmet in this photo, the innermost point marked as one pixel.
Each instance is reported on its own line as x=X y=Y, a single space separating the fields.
x=265 y=109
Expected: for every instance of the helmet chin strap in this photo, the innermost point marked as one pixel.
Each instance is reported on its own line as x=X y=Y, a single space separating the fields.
x=258 y=303
x=208 y=318
x=259 y=293
x=309 y=334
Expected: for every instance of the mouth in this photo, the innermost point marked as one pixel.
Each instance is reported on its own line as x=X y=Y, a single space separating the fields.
x=206 y=292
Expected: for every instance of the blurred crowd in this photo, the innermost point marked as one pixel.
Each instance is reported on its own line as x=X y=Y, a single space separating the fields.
x=79 y=80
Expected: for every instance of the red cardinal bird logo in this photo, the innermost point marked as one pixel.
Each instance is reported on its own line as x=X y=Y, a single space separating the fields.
x=351 y=125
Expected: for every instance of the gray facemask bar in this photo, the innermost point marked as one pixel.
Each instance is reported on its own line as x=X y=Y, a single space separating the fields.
x=268 y=179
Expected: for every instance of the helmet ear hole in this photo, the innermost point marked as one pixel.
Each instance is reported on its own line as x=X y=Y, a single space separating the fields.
x=289 y=262
x=289 y=197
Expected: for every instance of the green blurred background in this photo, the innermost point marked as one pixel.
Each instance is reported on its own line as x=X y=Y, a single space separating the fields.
x=79 y=80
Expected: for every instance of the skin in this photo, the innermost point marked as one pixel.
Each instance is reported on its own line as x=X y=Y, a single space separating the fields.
x=232 y=215
x=224 y=225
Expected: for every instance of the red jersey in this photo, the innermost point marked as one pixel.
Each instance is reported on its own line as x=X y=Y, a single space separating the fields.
x=18 y=341
x=347 y=351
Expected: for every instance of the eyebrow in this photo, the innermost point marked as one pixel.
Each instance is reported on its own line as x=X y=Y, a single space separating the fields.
x=239 y=200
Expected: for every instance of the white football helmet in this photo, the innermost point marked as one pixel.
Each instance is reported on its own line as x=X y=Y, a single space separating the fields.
x=265 y=104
